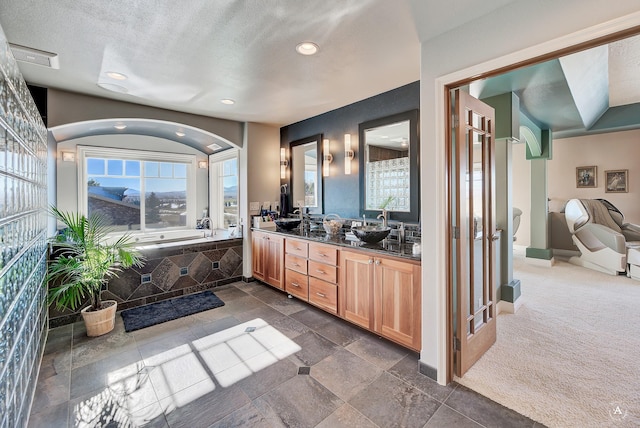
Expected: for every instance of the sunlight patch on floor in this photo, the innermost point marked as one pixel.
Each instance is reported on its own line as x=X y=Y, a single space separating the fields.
x=183 y=374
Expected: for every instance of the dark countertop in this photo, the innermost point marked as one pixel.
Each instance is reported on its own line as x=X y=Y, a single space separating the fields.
x=386 y=246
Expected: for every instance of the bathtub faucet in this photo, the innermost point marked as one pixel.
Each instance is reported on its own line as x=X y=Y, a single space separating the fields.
x=205 y=223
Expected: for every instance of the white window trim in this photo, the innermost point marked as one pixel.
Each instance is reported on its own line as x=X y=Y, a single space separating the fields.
x=216 y=185
x=107 y=152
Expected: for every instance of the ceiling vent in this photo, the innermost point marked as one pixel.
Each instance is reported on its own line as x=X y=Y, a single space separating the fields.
x=35 y=56
x=214 y=147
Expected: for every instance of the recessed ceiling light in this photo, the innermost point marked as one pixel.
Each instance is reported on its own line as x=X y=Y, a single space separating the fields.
x=180 y=134
x=113 y=87
x=120 y=126
x=117 y=76
x=214 y=146
x=227 y=101
x=307 y=48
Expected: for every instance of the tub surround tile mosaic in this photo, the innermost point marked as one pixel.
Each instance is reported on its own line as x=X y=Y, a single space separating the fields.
x=170 y=272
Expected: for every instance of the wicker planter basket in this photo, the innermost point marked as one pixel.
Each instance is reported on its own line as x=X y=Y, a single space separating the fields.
x=102 y=321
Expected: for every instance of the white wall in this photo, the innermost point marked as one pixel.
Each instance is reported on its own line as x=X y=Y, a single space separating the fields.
x=67 y=180
x=612 y=151
x=515 y=32
x=259 y=175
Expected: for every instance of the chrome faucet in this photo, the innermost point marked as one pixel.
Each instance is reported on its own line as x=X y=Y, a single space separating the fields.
x=384 y=216
x=205 y=223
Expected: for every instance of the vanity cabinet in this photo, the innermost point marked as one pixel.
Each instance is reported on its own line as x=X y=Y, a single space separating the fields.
x=267 y=258
x=311 y=273
x=323 y=277
x=295 y=263
x=382 y=294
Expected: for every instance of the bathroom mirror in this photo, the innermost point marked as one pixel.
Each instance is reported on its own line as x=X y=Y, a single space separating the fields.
x=389 y=169
x=306 y=179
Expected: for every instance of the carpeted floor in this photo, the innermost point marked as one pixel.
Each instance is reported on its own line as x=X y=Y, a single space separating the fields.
x=569 y=356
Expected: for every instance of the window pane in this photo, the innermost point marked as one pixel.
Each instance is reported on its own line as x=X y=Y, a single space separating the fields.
x=165 y=203
x=95 y=166
x=166 y=169
x=132 y=168
x=114 y=167
x=180 y=170
x=116 y=199
x=230 y=167
x=230 y=209
x=115 y=188
x=151 y=169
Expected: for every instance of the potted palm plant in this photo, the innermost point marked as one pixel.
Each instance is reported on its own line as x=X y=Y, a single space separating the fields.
x=82 y=265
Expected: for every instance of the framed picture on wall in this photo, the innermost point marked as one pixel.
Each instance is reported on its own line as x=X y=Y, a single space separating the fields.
x=617 y=181
x=586 y=176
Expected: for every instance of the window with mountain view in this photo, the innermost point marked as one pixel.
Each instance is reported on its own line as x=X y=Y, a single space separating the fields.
x=224 y=189
x=137 y=194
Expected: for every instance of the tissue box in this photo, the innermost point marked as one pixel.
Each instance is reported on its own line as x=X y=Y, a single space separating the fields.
x=260 y=223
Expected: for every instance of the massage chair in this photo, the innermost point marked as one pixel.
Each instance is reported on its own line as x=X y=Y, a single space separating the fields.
x=606 y=243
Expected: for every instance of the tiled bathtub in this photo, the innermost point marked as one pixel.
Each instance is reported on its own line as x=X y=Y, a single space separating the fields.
x=171 y=269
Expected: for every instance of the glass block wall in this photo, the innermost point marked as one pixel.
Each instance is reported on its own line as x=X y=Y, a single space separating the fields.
x=23 y=222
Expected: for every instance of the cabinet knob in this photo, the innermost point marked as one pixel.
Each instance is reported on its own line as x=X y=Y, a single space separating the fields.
x=370 y=261
x=322 y=255
x=377 y=262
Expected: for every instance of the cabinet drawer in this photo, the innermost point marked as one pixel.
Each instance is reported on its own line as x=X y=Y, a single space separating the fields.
x=296 y=284
x=323 y=271
x=299 y=248
x=323 y=294
x=299 y=264
x=323 y=253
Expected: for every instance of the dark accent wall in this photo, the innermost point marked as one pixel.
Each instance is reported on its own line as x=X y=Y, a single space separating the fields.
x=342 y=192
x=23 y=224
x=169 y=272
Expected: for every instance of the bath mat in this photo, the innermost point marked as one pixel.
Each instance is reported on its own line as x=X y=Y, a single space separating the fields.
x=170 y=309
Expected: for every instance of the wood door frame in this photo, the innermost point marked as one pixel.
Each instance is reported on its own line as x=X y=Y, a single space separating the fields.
x=588 y=38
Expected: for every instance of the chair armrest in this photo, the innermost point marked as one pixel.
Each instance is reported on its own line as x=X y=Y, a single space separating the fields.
x=596 y=236
x=631 y=231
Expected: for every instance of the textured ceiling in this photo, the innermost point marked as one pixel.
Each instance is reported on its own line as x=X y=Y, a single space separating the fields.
x=188 y=56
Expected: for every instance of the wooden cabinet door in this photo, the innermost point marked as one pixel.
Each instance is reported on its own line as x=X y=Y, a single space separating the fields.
x=397 y=301
x=258 y=253
x=356 y=288
x=275 y=261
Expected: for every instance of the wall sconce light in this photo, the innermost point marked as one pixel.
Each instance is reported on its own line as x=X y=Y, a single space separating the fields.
x=348 y=154
x=202 y=164
x=327 y=158
x=68 y=157
x=284 y=163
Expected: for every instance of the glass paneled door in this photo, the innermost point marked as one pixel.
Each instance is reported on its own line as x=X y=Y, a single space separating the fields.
x=473 y=222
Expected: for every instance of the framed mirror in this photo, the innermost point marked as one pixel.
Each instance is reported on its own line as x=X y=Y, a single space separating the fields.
x=306 y=173
x=389 y=167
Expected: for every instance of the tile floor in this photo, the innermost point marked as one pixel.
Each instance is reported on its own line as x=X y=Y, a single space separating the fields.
x=262 y=360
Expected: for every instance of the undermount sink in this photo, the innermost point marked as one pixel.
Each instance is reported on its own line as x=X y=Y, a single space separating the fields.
x=287 y=223
x=371 y=234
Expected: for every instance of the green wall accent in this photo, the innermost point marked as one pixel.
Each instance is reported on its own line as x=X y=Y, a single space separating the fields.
x=543 y=137
x=507 y=110
x=510 y=292
x=539 y=253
